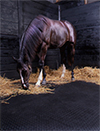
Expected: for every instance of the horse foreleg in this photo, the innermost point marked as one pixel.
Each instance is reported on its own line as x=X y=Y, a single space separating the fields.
x=63 y=58
x=39 y=78
x=42 y=56
x=44 y=76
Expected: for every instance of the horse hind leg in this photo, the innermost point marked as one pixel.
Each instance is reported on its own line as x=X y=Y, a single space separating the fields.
x=63 y=59
x=70 y=55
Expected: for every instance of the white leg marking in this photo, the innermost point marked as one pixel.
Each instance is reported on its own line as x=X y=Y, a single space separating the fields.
x=22 y=79
x=39 y=78
x=63 y=72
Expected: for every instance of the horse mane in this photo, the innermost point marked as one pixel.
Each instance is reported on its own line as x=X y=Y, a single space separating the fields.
x=32 y=38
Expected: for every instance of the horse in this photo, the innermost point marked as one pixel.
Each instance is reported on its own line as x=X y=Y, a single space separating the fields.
x=41 y=34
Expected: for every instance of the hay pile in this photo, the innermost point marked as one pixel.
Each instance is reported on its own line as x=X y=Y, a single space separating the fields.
x=87 y=74
x=11 y=88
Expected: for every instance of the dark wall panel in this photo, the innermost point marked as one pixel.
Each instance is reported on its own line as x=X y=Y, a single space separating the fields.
x=9 y=17
x=68 y=4
x=8 y=48
x=86 y=20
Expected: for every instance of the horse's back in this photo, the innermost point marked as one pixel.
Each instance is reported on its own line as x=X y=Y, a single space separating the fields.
x=61 y=28
x=51 y=31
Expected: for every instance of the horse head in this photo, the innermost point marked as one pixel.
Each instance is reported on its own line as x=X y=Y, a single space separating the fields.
x=24 y=71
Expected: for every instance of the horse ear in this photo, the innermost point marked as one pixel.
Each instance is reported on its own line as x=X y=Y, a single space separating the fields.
x=15 y=59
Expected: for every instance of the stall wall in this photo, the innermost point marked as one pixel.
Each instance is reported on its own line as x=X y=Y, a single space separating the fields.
x=86 y=20
x=9 y=37
x=16 y=15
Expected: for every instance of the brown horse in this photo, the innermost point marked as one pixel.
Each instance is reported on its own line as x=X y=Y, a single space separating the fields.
x=41 y=34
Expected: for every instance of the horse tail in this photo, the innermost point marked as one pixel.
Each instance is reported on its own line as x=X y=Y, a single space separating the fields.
x=72 y=32
x=71 y=42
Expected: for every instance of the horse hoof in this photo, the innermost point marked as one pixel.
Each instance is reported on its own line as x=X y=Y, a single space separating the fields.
x=73 y=79
x=25 y=86
x=44 y=82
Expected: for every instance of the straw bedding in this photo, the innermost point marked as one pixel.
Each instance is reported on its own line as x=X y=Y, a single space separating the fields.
x=11 y=88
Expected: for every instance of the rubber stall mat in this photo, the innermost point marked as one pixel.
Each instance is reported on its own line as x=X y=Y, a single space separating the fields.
x=73 y=106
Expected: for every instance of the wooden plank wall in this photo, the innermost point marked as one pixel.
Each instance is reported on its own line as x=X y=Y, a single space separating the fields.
x=86 y=19
x=15 y=17
x=9 y=38
x=68 y=4
x=9 y=18
x=8 y=48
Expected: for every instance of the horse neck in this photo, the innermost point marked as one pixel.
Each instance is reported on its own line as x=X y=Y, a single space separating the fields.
x=24 y=58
